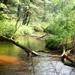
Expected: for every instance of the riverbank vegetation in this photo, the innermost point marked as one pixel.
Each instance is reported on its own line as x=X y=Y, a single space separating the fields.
x=53 y=17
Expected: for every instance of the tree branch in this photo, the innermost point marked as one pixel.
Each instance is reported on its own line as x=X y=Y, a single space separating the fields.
x=27 y=50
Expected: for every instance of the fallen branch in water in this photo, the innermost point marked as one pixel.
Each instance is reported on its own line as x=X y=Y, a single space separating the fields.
x=69 y=59
x=65 y=57
x=42 y=36
x=27 y=50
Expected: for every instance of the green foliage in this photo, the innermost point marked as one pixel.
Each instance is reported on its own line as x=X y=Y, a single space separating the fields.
x=38 y=28
x=62 y=23
x=3 y=5
x=7 y=28
x=54 y=43
x=24 y=30
x=14 y=2
x=3 y=16
x=56 y=17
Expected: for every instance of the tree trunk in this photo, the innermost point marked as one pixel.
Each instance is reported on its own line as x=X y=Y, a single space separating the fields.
x=5 y=2
x=27 y=50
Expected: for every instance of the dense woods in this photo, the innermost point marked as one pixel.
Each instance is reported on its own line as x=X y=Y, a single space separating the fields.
x=56 y=18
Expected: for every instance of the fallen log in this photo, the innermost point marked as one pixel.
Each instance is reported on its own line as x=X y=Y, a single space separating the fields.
x=27 y=50
x=68 y=58
x=65 y=56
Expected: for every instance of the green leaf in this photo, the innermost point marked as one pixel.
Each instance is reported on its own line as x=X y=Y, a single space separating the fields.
x=2 y=5
x=32 y=5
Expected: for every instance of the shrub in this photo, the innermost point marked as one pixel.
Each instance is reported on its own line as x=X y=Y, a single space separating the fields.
x=7 y=28
x=54 y=43
x=24 y=30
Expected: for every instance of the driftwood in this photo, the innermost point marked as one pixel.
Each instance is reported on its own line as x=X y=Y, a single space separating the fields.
x=27 y=50
x=65 y=56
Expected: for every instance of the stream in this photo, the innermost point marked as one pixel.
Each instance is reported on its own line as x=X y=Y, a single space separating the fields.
x=13 y=60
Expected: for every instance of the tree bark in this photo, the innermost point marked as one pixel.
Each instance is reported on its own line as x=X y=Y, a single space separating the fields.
x=65 y=56
x=69 y=59
x=27 y=50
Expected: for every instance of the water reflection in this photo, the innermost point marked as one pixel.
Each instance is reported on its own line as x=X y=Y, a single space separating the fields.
x=8 y=49
x=13 y=60
x=32 y=42
x=16 y=69
x=47 y=66
x=4 y=59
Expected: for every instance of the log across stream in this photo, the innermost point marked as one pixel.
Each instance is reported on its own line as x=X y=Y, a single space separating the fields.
x=27 y=50
x=43 y=65
x=30 y=52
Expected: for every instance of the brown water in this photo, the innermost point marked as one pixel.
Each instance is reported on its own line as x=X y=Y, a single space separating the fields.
x=13 y=60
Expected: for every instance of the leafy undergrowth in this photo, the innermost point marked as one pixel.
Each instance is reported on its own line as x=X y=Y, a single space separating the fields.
x=24 y=30
x=56 y=43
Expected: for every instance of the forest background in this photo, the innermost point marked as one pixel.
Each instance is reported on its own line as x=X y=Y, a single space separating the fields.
x=56 y=18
